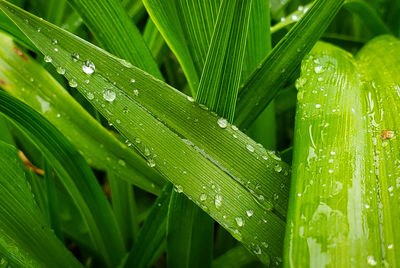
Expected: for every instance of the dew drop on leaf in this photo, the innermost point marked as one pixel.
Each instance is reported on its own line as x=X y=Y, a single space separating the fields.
x=121 y=163
x=88 y=67
x=371 y=261
x=250 y=147
x=178 y=188
x=60 y=70
x=222 y=122
x=109 y=95
x=218 y=201
x=249 y=212
x=133 y=80
x=190 y=99
x=48 y=58
x=239 y=221
x=90 y=96
x=136 y=92
x=75 y=56
x=151 y=163
x=72 y=83
x=277 y=168
x=203 y=197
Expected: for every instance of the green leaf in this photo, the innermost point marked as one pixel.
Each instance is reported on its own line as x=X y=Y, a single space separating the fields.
x=331 y=163
x=112 y=27
x=378 y=61
x=258 y=42
x=28 y=81
x=189 y=234
x=369 y=16
x=346 y=159
x=26 y=239
x=187 y=27
x=222 y=70
x=283 y=61
x=236 y=257
x=124 y=206
x=74 y=173
x=191 y=147
x=152 y=234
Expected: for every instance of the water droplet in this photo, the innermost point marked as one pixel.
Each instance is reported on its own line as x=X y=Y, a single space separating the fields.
x=75 y=56
x=239 y=221
x=151 y=163
x=235 y=128
x=88 y=67
x=109 y=95
x=317 y=105
x=203 y=197
x=257 y=250
x=330 y=171
x=48 y=58
x=295 y=17
x=249 y=212
x=218 y=201
x=190 y=99
x=133 y=80
x=390 y=246
x=178 y=188
x=136 y=92
x=318 y=69
x=371 y=261
x=72 y=83
x=265 y=244
x=277 y=168
x=121 y=162
x=54 y=41
x=273 y=155
x=90 y=96
x=222 y=122
x=60 y=70
x=390 y=189
x=250 y=147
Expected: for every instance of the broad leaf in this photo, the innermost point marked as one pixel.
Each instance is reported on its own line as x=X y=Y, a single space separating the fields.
x=28 y=81
x=116 y=32
x=277 y=68
x=197 y=151
x=26 y=239
x=75 y=175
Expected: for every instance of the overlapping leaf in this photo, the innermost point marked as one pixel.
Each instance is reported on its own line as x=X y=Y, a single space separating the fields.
x=236 y=181
x=25 y=238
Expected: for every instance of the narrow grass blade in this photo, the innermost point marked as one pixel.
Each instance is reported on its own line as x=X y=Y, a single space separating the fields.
x=8 y=27
x=368 y=15
x=152 y=234
x=283 y=61
x=112 y=27
x=189 y=234
x=26 y=239
x=236 y=257
x=290 y=19
x=258 y=42
x=193 y=148
x=378 y=61
x=28 y=81
x=222 y=70
x=52 y=201
x=154 y=40
x=71 y=168
x=124 y=207
x=187 y=27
